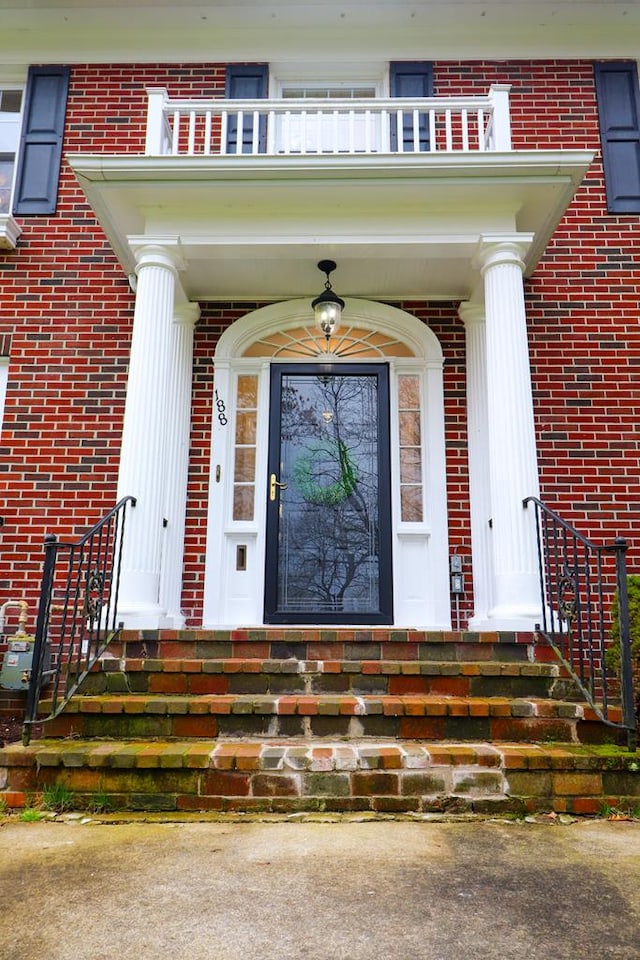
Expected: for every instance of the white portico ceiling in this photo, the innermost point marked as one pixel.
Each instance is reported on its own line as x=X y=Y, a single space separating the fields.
x=253 y=228
x=81 y=31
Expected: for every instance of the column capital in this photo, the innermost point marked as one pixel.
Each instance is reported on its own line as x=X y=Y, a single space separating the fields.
x=157 y=252
x=186 y=313
x=471 y=313
x=498 y=249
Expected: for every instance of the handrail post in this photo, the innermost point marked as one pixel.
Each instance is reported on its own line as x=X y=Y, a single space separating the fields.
x=42 y=622
x=155 y=121
x=540 y=546
x=626 y=669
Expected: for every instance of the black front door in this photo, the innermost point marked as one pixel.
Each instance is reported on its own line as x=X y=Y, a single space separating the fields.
x=328 y=543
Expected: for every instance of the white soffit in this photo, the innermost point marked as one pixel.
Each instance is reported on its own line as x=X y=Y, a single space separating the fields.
x=253 y=228
x=81 y=31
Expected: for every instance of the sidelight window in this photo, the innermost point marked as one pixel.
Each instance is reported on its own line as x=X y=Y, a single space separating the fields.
x=410 y=446
x=244 y=469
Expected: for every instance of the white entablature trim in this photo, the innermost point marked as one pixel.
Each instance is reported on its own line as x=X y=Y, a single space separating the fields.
x=277 y=317
x=400 y=227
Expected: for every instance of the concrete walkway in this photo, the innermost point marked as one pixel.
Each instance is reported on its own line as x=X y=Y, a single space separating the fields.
x=320 y=891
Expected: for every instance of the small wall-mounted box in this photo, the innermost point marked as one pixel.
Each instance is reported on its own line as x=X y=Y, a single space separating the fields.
x=16 y=665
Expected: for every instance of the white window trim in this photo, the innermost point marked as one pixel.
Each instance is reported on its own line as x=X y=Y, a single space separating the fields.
x=12 y=79
x=323 y=75
x=311 y=131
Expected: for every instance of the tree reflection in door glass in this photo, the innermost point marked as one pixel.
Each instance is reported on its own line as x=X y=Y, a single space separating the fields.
x=328 y=547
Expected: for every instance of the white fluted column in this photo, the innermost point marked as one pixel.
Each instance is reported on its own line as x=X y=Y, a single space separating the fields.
x=143 y=455
x=513 y=466
x=479 y=479
x=177 y=459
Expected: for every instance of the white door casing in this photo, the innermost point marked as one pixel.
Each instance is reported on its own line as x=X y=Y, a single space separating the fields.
x=235 y=554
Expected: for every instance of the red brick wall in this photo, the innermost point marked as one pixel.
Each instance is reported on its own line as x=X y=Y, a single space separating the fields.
x=68 y=310
x=583 y=308
x=67 y=307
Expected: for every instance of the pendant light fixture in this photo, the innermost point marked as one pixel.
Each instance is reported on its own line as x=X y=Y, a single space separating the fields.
x=328 y=306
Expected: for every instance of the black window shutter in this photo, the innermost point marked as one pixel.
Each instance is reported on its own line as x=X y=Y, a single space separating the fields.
x=41 y=141
x=619 y=112
x=246 y=81
x=411 y=79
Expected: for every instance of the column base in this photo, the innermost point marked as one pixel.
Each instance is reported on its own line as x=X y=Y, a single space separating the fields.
x=507 y=618
x=147 y=617
x=177 y=621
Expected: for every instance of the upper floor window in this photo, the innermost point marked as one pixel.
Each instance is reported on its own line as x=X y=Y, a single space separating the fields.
x=325 y=131
x=10 y=121
x=323 y=92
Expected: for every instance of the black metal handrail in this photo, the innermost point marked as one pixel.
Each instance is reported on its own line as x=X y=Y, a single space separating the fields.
x=579 y=581
x=77 y=612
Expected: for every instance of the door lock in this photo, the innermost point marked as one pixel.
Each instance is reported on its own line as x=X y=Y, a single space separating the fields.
x=273 y=486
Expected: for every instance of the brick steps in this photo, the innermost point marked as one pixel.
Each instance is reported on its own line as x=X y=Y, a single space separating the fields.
x=383 y=776
x=284 y=720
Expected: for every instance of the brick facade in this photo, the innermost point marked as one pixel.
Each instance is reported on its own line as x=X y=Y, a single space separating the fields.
x=66 y=316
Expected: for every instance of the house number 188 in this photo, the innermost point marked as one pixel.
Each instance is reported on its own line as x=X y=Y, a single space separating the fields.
x=222 y=411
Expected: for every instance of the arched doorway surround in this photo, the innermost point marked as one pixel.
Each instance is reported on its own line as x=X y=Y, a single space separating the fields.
x=248 y=354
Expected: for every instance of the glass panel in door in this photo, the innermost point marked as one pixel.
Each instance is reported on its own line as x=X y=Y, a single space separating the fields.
x=328 y=518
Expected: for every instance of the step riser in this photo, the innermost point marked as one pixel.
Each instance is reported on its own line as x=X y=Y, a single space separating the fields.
x=357 y=684
x=283 y=792
x=458 y=728
x=455 y=650
x=331 y=777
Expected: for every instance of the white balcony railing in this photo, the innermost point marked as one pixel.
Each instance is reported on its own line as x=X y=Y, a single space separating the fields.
x=201 y=128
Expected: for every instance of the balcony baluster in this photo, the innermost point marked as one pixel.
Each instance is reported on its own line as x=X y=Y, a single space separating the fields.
x=288 y=127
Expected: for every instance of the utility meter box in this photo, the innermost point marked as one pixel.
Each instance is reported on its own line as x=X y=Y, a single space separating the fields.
x=16 y=665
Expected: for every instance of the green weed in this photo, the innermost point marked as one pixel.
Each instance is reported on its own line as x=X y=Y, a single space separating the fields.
x=619 y=813
x=100 y=802
x=30 y=815
x=57 y=798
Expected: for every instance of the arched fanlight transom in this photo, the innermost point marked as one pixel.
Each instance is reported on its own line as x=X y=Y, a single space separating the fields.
x=351 y=342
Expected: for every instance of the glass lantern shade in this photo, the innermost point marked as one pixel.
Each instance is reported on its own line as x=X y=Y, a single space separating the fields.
x=327 y=309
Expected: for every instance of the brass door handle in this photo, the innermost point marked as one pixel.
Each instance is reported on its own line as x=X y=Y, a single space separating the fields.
x=273 y=486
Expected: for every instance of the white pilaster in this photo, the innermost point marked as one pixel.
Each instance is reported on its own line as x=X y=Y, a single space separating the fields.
x=478 y=444
x=513 y=467
x=177 y=459
x=499 y=96
x=156 y=130
x=143 y=455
